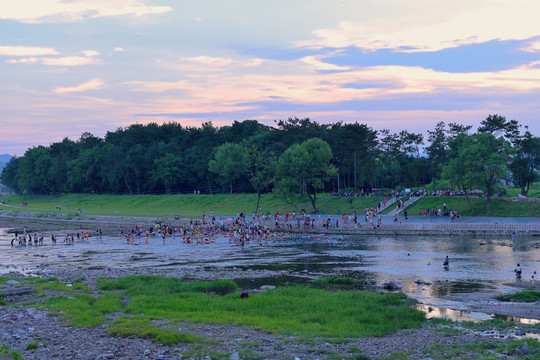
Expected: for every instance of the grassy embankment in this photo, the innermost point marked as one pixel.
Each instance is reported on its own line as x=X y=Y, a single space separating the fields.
x=499 y=207
x=221 y=204
x=227 y=204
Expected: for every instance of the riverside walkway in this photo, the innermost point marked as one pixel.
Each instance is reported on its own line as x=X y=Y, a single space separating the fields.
x=425 y=225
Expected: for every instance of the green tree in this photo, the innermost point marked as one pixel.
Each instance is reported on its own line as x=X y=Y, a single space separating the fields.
x=457 y=174
x=85 y=174
x=230 y=162
x=526 y=162
x=306 y=166
x=169 y=171
x=437 y=149
x=498 y=125
x=483 y=158
x=261 y=171
x=353 y=147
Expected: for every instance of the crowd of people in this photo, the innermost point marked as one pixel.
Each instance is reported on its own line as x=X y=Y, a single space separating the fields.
x=26 y=239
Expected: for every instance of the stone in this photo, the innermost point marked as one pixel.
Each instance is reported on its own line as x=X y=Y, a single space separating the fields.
x=12 y=282
x=234 y=356
x=16 y=291
x=268 y=287
x=392 y=286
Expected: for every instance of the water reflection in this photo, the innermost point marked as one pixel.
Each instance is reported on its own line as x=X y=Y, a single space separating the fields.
x=454 y=315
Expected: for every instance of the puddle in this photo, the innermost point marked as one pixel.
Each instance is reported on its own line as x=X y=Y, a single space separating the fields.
x=454 y=315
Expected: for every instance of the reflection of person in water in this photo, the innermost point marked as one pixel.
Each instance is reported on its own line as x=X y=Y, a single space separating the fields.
x=446 y=262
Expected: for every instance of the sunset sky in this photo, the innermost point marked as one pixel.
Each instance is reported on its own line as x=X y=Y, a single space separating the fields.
x=70 y=66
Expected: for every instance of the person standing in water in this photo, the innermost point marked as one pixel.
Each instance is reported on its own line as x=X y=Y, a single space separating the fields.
x=446 y=263
x=517 y=270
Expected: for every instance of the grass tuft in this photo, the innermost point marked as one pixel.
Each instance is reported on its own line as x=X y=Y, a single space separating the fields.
x=32 y=346
x=521 y=296
x=5 y=350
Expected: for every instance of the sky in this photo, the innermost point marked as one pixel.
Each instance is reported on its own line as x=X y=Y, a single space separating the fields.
x=72 y=66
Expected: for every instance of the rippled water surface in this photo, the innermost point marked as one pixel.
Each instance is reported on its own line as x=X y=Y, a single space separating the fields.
x=475 y=263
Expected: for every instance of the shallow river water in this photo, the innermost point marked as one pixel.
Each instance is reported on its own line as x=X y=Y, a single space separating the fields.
x=475 y=263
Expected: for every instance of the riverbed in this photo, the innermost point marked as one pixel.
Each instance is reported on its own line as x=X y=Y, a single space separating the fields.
x=476 y=264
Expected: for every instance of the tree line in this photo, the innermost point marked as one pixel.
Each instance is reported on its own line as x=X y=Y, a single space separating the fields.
x=293 y=156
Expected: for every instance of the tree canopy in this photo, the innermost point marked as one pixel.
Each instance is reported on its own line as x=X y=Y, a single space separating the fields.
x=290 y=157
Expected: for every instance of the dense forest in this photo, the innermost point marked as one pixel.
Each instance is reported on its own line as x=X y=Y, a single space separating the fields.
x=293 y=156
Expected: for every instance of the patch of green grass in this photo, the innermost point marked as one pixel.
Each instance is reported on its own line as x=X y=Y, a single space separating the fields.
x=56 y=286
x=40 y=280
x=248 y=354
x=499 y=207
x=512 y=346
x=440 y=351
x=200 y=351
x=32 y=346
x=484 y=350
x=219 y=287
x=5 y=350
x=521 y=296
x=53 y=284
x=3 y=302
x=82 y=310
x=487 y=325
x=396 y=356
x=143 y=328
x=81 y=287
x=249 y=344
x=449 y=331
x=291 y=310
x=335 y=280
x=183 y=204
x=144 y=301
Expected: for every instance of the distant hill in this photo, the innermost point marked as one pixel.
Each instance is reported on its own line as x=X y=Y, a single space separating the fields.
x=4 y=159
